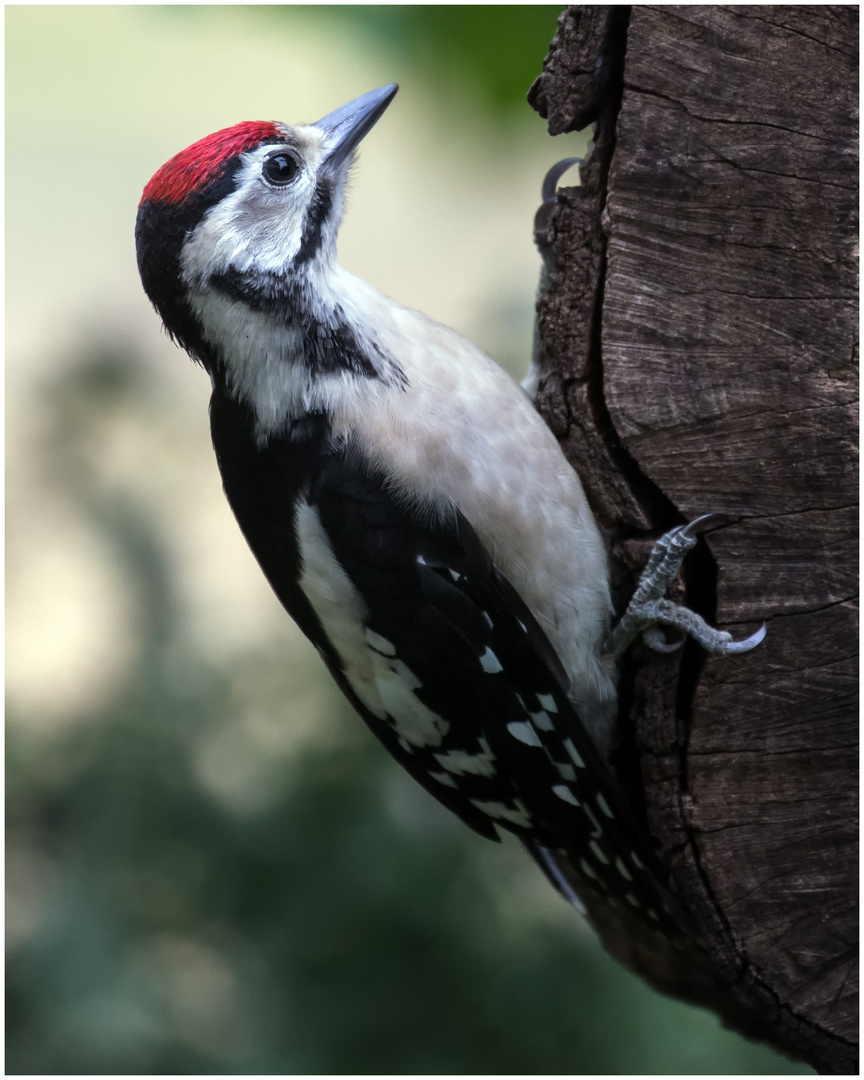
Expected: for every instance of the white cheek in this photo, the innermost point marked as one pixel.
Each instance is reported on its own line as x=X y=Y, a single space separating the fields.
x=255 y=228
x=271 y=225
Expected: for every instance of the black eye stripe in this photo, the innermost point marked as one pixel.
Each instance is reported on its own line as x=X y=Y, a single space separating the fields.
x=280 y=168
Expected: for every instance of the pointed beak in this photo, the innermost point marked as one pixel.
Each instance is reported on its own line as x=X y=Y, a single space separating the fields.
x=345 y=127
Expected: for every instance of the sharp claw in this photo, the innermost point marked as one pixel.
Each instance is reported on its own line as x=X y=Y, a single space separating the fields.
x=550 y=180
x=702 y=524
x=748 y=643
x=647 y=608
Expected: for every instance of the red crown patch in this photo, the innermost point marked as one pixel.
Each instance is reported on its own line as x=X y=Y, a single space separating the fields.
x=204 y=160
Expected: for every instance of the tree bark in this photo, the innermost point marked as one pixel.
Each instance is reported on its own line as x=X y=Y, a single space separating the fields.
x=699 y=343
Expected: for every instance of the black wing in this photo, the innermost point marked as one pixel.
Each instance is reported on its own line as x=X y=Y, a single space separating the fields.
x=511 y=751
x=476 y=704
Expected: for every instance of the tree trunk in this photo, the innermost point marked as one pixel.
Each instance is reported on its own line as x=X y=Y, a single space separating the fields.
x=699 y=342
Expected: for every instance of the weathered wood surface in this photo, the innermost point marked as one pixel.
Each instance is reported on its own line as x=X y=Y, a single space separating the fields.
x=701 y=339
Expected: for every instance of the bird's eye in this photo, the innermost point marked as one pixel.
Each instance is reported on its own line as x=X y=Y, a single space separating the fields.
x=280 y=169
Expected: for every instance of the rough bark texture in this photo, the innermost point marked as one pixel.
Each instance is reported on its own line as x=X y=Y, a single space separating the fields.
x=700 y=339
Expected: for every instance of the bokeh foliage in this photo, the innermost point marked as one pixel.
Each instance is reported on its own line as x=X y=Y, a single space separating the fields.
x=490 y=55
x=493 y=55
x=188 y=896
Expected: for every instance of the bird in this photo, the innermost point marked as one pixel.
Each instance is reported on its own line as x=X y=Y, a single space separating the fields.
x=409 y=507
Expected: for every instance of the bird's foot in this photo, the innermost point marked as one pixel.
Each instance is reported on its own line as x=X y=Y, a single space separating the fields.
x=542 y=220
x=649 y=610
x=549 y=197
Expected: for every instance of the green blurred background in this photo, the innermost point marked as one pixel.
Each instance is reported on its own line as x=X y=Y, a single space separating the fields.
x=211 y=868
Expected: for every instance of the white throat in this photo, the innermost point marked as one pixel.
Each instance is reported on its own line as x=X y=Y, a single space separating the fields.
x=286 y=365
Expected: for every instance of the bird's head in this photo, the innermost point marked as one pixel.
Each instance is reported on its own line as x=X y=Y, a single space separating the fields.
x=260 y=200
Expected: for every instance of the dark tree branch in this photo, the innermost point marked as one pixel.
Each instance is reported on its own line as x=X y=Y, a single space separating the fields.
x=699 y=336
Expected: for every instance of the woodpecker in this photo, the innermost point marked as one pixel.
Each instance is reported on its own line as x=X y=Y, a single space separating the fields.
x=408 y=505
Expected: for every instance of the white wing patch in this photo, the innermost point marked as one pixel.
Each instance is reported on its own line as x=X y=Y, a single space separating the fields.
x=588 y=870
x=523 y=731
x=622 y=869
x=460 y=762
x=384 y=684
x=380 y=644
x=589 y=813
x=517 y=814
x=444 y=778
x=542 y=721
x=489 y=662
x=338 y=605
x=564 y=792
x=574 y=754
x=413 y=721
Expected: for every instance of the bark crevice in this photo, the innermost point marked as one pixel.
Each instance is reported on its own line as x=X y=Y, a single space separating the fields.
x=704 y=281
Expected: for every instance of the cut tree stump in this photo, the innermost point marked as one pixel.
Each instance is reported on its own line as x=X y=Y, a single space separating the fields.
x=699 y=341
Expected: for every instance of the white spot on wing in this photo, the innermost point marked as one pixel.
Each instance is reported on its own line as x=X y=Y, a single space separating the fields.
x=489 y=662
x=405 y=431
x=567 y=771
x=524 y=733
x=380 y=644
x=384 y=684
x=413 y=720
x=599 y=853
x=460 y=762
x=548 y=702
x=444 y=778
x=563 y=792
x=574 y=754
x=517 y=814
x=588 y=870
x=597 y=831
x=622 y=869
x=604 y=806
x=542 y=721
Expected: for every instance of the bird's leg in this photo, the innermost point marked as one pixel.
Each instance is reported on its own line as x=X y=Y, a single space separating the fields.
x=648 y=610
x=543 y=244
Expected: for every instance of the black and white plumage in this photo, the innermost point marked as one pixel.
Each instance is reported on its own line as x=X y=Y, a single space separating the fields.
x=433 y=647
x=408 y=506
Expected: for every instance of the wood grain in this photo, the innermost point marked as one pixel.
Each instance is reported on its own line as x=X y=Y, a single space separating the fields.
x=710 y=364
